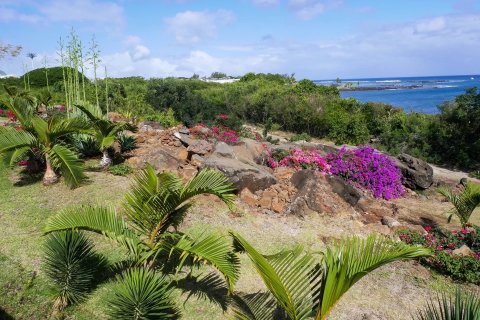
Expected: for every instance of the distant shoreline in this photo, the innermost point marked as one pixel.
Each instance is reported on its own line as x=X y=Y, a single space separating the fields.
x=343 y=88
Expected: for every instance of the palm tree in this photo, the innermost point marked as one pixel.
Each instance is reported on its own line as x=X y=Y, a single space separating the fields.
x=300 y=284
x=463 y=203
x=154 y=208
x=463 y=306
x=44 y=138
x=106 y=131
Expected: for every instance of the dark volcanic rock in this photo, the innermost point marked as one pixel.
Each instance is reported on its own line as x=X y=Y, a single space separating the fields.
x=417 y=173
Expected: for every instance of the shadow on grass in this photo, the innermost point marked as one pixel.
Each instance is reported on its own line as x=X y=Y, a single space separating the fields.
x=210 y=287
x=25 y=179
x=4 y=315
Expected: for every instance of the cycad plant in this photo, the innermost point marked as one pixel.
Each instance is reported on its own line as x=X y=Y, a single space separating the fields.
x=154 y=208
x=71 y=263
x=464 y=203
x=301 y=285
x=106 y=131
x=45 y=138
x=463 y=306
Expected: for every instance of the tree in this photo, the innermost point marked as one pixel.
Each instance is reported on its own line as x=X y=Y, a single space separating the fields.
x=218 y=75
x=463 y=203
x=154 y=208
x=300 y=283
x=106 y=131
x=44 y=138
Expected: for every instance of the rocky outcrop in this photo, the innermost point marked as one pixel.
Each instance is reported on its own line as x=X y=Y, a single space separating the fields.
x=200 y=147
x=315 y=193
x=241 y=174
x=417 y=173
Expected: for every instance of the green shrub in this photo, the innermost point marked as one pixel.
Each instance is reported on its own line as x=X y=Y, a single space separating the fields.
x=165 y=118
x=86 y=146
x=442 y=243
x=120 y=169
x=301 y=137
x=127 y=143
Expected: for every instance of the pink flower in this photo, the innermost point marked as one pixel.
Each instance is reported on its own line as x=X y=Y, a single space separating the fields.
x=428 y=228
x=451 y=245
x=465 y=231
x=23 y=163
x=223 y=116
x=61 y=108
x=439 y=248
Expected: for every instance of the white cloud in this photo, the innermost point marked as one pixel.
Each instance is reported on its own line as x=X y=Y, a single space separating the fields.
x=193 y=27
x=308 y=9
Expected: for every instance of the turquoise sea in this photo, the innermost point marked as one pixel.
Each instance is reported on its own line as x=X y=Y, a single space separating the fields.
x=412 y=94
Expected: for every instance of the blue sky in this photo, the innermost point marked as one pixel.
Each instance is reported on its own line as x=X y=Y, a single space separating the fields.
x=316 y=39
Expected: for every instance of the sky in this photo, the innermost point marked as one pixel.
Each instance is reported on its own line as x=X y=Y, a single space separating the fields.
x=314 y=39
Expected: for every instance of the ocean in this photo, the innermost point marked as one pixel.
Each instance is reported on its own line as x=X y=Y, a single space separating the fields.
x=421 y=94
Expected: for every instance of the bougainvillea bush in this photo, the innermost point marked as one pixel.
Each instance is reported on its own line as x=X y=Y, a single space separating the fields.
x=218 y=132
x=299 y=159
x=366 y=168
x=443 y=243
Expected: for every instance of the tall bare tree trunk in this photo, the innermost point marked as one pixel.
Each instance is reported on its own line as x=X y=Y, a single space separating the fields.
x=50 y=176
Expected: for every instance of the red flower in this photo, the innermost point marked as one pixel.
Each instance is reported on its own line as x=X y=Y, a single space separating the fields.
x=11 y=116
x=428 y=228
x=223 y=116
x=439 y=248
x=465 y=231
x=451 y=245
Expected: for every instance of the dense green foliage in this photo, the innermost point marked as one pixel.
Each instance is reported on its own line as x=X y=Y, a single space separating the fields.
x=448 y=138
x=443 y=243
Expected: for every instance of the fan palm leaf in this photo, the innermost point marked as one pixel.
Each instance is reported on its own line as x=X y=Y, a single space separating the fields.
x=463 y=203
x=348 y=261
x=257 y=306
x=463 y=306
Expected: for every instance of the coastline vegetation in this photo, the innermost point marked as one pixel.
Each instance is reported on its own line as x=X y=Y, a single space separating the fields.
x=448 y=138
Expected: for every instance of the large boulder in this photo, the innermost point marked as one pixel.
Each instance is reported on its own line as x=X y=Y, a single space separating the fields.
x=315 y=193
x=201 y=147
x=417 y=173
x=241 y=174
x=163 y=159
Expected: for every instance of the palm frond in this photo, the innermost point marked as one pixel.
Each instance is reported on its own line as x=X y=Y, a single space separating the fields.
x=213 y=249
x=11 y=139
x=210 y=181
x=71 y=263
x=60 y=126
x=69 y=164
x=40 y=128
x=152 y=199
x=256 y=306
x=104 y=221
x=348 y=261
x=463 y=203
x=463 y=306
x=22 y=105
x=142 y=294
x=10 y=158
x=291 y=276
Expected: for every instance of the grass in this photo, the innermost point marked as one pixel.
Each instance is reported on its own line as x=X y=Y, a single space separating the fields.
x=25 y=291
